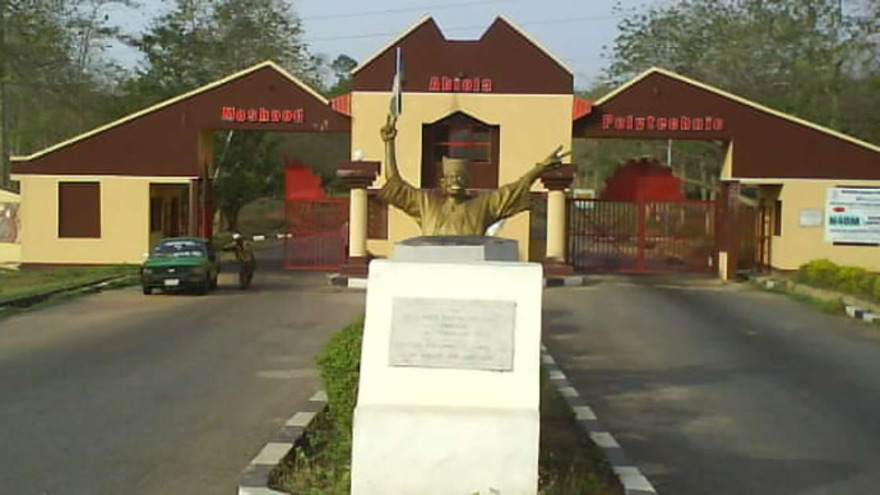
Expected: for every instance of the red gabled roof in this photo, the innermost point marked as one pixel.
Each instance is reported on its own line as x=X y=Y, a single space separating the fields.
x=342 y=104
x=581 y=108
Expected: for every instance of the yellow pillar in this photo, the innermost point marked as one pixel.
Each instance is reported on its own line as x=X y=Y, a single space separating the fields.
x=357 y=177
x=357 y=223
x=556 y=225
x=556 y=181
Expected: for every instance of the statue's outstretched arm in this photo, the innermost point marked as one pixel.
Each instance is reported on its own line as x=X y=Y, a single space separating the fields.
x=513 y=198
x=397 y=191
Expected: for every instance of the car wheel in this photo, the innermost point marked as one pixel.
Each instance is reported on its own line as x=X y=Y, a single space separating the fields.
x=147 y=290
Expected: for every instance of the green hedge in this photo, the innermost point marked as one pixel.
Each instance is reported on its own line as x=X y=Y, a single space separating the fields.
x=851 y=280
x=339 y=366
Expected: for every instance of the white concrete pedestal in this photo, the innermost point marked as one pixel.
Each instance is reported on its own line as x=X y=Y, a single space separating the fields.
x=448 y=401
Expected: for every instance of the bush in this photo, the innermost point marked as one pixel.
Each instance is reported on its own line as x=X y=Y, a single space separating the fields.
x=818 y=272
x=339 y=365
x=848 y=279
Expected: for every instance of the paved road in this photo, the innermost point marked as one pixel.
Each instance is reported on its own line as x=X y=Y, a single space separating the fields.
x=122 y=393
x=724 y=390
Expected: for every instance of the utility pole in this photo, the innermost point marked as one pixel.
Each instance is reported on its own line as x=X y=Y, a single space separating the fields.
x=4 y=121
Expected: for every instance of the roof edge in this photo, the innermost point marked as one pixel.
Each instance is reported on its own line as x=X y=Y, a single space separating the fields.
x=169 y=102
x=386 y=46
x=738 y=99
x=533 y=41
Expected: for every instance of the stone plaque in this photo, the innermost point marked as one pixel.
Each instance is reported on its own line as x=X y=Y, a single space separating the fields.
x=452 y=333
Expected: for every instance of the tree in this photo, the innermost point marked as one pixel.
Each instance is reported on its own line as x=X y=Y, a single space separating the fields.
x=250 y=168
x=817 y=59
x=342 y=66
x=798 y=56
x=54 y=80
x=199 y=41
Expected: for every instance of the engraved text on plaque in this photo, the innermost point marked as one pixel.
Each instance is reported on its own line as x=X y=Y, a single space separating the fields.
x=452 y=333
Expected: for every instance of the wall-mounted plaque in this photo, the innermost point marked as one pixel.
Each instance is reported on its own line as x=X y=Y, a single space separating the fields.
x=452 y=333
x=811 y=218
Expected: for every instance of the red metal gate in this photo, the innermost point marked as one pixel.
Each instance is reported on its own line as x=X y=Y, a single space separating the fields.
x=318 y=234
x=642 y=237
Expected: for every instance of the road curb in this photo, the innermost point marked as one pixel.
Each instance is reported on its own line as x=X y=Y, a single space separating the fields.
x=254 y=480
x=631 y=478
x=857 y=312
x=28 y=301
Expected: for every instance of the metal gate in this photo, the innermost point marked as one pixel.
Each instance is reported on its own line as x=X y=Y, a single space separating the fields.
x=755 y=228
x=642 y=237
x=318 y=234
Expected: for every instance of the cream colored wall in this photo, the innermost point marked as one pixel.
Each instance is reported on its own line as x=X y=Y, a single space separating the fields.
x=798 y=245
x=531 y=127
x=125 y=215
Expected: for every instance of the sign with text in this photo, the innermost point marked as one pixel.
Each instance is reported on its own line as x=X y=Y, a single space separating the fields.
x=853 y=215
x=452 y=333
x=262 y=115
x=448 y=84
x=611 y=121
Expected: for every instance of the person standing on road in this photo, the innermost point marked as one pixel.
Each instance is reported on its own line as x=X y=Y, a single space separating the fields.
x=244 y=254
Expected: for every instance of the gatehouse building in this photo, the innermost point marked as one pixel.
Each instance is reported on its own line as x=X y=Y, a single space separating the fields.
x=502 y=101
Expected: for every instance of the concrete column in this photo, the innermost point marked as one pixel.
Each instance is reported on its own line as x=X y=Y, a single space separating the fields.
x=357 y=223
x=357 y=177
x=557 y=181
x=556 y=225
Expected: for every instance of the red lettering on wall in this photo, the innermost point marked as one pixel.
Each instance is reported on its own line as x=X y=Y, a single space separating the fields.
x=658 y=123
x=262 y=115
x=459 y=84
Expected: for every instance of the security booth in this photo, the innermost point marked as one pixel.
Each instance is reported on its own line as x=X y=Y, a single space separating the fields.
x=107 y=195
x=817 y=190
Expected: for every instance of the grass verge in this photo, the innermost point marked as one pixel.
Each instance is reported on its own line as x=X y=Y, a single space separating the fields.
x=834 y=306
x=34 y=281
x=570 y=464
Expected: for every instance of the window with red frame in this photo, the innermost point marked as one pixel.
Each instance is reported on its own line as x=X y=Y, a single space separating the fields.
x=464 y=137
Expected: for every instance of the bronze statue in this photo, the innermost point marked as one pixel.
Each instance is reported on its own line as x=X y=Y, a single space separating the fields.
x=449 y=211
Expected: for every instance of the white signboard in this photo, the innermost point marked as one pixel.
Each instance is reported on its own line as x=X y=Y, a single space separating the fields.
x=853 y=215
x=811 y=218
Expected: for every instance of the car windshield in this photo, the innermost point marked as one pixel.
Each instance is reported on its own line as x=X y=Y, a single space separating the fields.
x=179 y=249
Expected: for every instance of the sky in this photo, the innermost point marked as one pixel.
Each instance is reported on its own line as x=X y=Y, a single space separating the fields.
x=575 y=31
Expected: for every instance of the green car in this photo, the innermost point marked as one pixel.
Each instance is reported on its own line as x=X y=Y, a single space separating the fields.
x=181 y=264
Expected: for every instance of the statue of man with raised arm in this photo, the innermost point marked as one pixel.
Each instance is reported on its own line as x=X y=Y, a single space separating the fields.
x=449 y=211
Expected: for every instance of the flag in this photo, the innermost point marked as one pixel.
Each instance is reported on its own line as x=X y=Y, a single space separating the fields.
x=397 y=85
